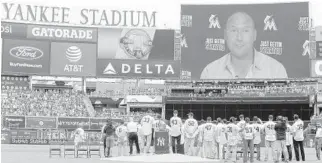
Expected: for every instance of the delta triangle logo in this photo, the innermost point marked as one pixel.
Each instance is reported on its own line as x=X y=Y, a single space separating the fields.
x=109 y=70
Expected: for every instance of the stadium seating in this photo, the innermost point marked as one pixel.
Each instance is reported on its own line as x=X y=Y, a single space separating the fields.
x=242 y=90
x=71 y=103
x=40 y=103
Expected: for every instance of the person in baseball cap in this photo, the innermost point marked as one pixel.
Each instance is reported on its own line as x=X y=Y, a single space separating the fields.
x=318 y=140
x=176 y=132
x=190 y=133
x=298 y=127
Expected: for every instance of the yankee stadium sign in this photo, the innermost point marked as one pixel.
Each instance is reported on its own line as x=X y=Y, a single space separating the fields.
x=85 y=16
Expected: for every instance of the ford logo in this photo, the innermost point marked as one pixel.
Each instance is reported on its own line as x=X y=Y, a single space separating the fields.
x=26 y=52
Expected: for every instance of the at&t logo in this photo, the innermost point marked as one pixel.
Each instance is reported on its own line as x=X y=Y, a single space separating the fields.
x=214 y=22
x=270 y=23
x=73 y=55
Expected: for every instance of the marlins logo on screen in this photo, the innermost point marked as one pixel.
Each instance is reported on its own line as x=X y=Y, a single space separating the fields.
x=270 y=23
x=214 y=22
x=137 y=44
x=306 y=48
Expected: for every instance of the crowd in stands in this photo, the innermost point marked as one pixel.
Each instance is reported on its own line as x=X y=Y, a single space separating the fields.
x=107 y=93
x=137 y=114
x=128 y=91
x=43 y=103
x=244 y=90
x=70 y=103
x=108 y=113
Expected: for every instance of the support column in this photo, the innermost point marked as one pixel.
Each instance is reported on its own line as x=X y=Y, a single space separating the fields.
x=128 y=109
x=84 y=85
x=30 y=82
x=163 y=111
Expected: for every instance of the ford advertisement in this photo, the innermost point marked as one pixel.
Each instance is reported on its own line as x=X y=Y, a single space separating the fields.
x=25 y=57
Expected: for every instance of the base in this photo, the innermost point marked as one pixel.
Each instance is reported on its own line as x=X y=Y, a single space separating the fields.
x=164 y=158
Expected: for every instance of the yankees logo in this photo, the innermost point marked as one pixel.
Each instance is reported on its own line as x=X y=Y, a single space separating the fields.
x=161 y=141
x=270 y=23
x=214 y=22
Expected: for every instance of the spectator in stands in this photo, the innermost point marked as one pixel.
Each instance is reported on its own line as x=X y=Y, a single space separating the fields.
x=41 y=103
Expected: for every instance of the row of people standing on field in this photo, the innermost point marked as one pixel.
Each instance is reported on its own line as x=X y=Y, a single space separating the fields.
x=212 y=137
x=139 y=134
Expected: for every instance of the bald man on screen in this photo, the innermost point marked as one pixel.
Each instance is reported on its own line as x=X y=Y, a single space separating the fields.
x=243 y=61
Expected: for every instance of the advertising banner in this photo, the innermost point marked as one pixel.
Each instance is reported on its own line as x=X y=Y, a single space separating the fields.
x=14 y=121
x=14 y=82
x=318 y=33
x=97 y=123
x=23 y=134
x=41 y=122
x=258 y=41
x=316 y=68
x=73 y=59
x=73 y=123
x=318 y=49
x=138 y=68
x=137 y=53
x=5 y=137
x=13 y=30
x=25 y=57
x=62 y=33
x=30 y=141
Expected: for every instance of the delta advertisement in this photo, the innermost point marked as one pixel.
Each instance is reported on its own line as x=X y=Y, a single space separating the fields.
x=258 y=41
x=137 y=53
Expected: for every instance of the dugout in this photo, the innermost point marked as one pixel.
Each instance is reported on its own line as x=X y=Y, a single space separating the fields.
x=232 y=98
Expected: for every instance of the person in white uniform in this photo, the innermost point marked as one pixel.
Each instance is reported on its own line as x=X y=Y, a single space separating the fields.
x=190 y=133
